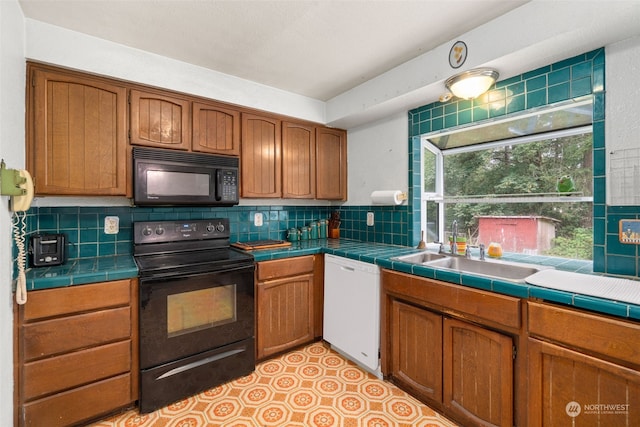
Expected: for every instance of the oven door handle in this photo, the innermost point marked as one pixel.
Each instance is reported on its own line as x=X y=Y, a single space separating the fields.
x=159 y=276
x=201 y=362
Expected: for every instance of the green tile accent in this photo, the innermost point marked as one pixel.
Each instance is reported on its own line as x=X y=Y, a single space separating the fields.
x=450 y=120
x=516 y=104
x=551 y=295
x=559 y=92
x=450 y=108
x=537 y=98
x=520 y=290
x=480 y=113
x=602 y=306
x=581 y=87
x=536 y=83
x=559 y=76
x=464 y=117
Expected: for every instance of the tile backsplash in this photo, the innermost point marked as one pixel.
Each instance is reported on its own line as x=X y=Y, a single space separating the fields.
x=84 y=225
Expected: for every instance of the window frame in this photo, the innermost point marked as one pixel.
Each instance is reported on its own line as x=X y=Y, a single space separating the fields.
x=439 y=197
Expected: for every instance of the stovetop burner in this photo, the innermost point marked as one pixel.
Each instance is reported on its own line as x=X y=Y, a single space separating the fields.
x=170 y=248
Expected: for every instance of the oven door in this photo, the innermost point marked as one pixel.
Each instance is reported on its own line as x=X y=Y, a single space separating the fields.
x=180 y=317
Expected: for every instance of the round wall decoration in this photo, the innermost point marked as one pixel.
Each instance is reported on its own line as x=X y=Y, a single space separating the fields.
x=458 y=54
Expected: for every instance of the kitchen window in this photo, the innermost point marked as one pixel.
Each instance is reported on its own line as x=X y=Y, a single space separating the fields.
x=524 y=181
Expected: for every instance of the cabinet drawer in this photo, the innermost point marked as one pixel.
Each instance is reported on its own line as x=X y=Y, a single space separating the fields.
x=614 y=339
x=448 y=298
x=284 y=267
x=65 y=334
x=80 y=404
x=76 y=299
x=70 y=370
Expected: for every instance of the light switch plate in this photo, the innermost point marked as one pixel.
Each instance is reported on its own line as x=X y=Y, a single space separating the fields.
x=257 y=219
x=369 y=218
x=111 y=225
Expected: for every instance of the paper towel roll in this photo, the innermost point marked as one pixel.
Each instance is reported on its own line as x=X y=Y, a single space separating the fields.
x=391 y=197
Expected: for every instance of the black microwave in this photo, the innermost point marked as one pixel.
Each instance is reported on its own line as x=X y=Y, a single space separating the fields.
x=173 y=178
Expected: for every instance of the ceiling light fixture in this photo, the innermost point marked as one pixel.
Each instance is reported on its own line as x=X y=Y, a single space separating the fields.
x=473 y=83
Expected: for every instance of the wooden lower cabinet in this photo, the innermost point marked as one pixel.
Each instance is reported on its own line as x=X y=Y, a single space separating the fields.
x=459 y=367
x=478 y=374
x=584 y=369
x=77 y=353
x=417 y=350
x=567 y=387
x=285 y=304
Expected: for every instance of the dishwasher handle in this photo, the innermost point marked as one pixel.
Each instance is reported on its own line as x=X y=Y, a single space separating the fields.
x=344 y=267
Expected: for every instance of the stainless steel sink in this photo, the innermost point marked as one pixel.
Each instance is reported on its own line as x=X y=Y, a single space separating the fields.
x=420 y=257
x=515 y=272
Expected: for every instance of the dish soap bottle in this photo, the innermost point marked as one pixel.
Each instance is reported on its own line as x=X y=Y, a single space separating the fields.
x=494 y=250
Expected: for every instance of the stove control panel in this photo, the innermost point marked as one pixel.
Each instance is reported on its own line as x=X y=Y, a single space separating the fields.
x=174 y=231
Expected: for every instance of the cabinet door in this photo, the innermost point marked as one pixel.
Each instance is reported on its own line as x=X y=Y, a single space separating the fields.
x=298 y=161
x=78 y=142
x=568 y=387
x=160 y=121
x=331 y=164
x=215 y=129
x=478 y=374
x=285 y=314
x=417 y=350
x=261 y=163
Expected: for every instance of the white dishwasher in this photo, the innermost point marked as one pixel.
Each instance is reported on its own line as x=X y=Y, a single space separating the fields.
x=352 y=310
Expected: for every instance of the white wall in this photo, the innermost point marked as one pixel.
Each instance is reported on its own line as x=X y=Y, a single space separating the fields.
x=377 y=157
x=622 y=127
x=12 y=72
x=66 y=48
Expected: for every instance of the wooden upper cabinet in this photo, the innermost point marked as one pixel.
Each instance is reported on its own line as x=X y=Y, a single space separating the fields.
x=261 y=164
x=298 y=161
x=215 y=129
x=160 y=120
x=76 y=139
x=331 y=164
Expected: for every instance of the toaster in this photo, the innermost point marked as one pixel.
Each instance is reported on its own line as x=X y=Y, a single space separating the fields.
x=47 y=249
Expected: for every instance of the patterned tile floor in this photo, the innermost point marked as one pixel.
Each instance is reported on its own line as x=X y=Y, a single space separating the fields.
x=310 y=387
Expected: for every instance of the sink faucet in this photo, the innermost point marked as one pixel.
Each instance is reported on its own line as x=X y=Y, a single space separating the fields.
x=454 y=236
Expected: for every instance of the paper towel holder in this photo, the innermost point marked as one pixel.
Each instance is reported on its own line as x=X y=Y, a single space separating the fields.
x=388 y=197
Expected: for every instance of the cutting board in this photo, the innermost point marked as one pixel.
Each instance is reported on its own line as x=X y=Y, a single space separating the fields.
x=261 y=244
x=587 y=284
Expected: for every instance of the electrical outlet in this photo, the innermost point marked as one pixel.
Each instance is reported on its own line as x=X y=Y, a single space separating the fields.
x=111 y=225
x=257 y=219
x=369 y=218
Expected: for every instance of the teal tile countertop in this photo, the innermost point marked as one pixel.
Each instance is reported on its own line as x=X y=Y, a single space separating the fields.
x=381 y=254
x=82 y=271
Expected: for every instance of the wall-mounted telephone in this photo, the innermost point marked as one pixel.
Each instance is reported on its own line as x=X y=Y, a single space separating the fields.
x=19 y=185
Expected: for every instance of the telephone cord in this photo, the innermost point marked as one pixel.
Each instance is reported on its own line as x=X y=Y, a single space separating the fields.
x=19 y=229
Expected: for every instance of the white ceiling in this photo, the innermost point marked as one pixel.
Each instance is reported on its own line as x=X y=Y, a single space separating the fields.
x=318 y=49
